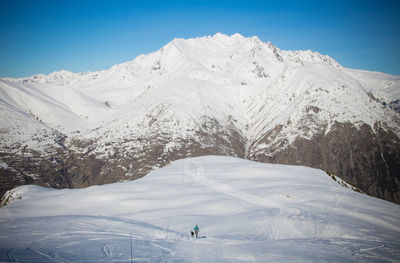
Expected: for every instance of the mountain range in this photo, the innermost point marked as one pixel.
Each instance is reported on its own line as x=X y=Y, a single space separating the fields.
x=221 y=95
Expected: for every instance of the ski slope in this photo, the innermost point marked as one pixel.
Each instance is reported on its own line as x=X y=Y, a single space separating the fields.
x=246 y=211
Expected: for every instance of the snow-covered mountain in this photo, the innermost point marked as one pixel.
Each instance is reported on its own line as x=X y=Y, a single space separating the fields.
x=225 y=95
x=246 y=211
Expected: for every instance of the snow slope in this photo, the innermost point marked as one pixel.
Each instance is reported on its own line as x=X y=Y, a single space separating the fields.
x=222 y=77
x=246 y=211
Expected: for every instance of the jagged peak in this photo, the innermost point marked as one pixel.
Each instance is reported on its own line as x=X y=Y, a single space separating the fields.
x=219 y=35
x=312 y=56
x=272 y=46
x=53 y=77
x=237 y=36
x=61 y=74
x=255 y=39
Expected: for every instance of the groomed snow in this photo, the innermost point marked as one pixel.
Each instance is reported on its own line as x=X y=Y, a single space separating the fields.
x=246 y=211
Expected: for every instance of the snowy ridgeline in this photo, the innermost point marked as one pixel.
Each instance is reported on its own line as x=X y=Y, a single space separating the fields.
x=246 y=211
x=225 y=78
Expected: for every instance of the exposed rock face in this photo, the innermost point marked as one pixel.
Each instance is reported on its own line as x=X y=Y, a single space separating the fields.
x=128 y=163
x=83 y=166
x=368 y=157
x=47 y=171
x=395 y=105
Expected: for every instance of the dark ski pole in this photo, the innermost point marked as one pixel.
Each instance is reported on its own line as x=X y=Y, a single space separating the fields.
x=131 y=248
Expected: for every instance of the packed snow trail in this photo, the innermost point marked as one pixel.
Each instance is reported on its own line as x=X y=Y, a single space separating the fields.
x=246 y=211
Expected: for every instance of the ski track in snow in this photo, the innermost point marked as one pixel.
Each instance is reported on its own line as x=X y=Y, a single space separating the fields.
x=48 y=256
x=10 y=255
x=228 y=190
x=246 y=212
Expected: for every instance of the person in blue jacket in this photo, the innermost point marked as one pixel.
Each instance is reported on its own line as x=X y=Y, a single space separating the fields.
x=196 y=230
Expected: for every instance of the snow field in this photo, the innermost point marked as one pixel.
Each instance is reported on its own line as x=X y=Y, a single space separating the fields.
x=246 y=211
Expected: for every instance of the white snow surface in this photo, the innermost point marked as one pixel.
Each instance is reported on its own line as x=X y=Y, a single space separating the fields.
x=246 y=211
x=223 y=77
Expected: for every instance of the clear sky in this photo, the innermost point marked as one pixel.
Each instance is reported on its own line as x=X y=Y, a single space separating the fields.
x=45 y=36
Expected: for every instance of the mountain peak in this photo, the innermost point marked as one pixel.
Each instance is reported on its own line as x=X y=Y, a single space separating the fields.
x=220 y=36
x=237 y=36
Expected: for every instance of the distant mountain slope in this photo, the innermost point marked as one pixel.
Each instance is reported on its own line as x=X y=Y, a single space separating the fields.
x=226 y=95
x=246 y=211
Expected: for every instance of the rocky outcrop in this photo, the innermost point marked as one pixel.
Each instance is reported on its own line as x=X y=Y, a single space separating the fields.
x=125 y=162
x=367 y=157
x=82 y=162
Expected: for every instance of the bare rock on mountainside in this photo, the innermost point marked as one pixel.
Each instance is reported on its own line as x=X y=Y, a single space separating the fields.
x=365 y=158
x=220 y=95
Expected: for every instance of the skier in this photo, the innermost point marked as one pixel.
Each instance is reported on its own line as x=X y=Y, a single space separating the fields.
x=196 y=230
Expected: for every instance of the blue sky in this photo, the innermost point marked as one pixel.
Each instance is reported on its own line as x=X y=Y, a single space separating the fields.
x=45 y=36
